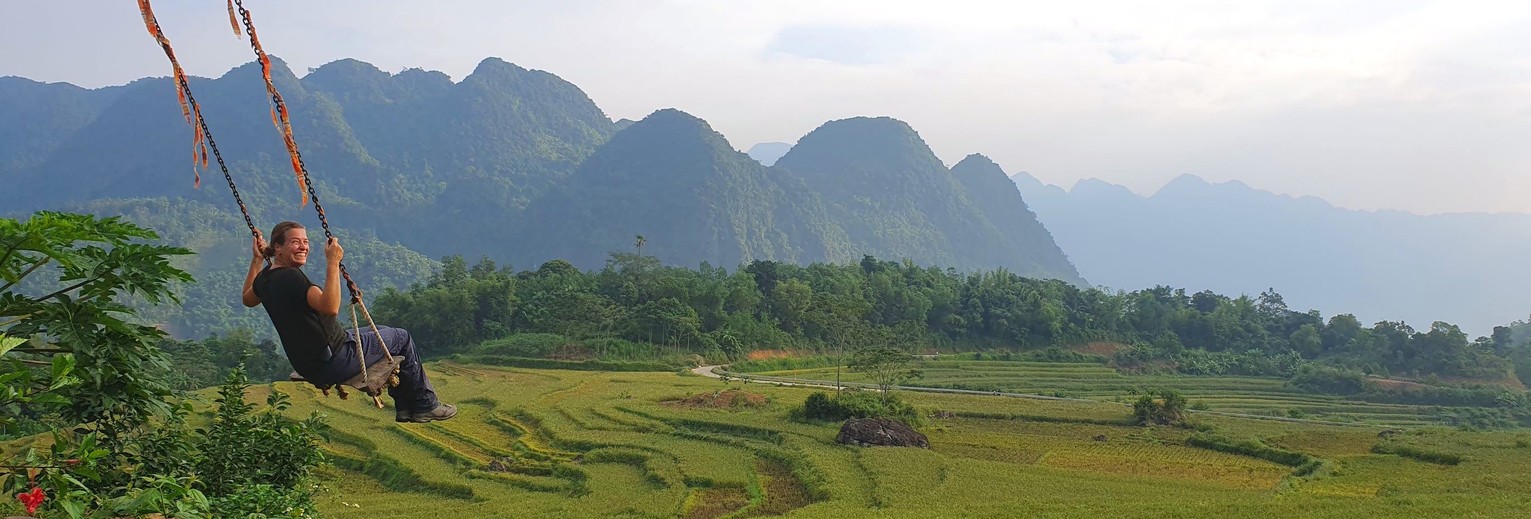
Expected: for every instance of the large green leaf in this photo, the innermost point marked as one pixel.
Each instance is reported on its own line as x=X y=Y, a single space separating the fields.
x=9 y=343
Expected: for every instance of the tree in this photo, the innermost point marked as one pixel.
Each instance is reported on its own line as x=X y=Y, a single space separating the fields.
x=76 y=361
x=1162 y=407
x=77 y=323
x=887 y=366
x=1341 y=329
x=846 y=325
x=666 y=321
x=557 y=267
x=1306 y=341
x=790 y=303
x=1501 y=339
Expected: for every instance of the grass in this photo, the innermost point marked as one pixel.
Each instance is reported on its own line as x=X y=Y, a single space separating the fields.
x=1263 y=396
x=609 y=444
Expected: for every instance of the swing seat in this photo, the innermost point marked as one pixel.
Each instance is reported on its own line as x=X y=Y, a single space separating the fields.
x=379 y=376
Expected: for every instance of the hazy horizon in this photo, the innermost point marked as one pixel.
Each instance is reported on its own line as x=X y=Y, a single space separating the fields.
x=1413 y=106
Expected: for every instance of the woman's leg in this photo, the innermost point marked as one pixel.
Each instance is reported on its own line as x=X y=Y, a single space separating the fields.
x=414 y=392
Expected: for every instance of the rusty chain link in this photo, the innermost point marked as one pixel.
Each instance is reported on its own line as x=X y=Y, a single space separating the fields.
x=281 y=108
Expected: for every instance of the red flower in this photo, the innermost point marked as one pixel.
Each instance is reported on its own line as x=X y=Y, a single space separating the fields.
x=32 y=499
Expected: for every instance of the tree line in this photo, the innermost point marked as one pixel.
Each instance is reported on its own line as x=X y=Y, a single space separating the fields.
x=634 y=303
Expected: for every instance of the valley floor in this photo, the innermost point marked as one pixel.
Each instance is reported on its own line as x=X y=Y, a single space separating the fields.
x=546 y=443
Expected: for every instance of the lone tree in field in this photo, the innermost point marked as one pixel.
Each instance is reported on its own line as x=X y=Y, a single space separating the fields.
x=1162 y=408
x=887 y=366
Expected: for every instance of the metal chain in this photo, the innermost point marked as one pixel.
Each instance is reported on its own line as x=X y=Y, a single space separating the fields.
x=196 y=110
x=221 y=165
x=281 y=108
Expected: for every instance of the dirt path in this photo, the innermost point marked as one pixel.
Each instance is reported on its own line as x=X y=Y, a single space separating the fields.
x=711 y=372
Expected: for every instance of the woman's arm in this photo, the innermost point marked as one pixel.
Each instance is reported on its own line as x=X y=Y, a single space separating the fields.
x=257 y=261
x=327 y=301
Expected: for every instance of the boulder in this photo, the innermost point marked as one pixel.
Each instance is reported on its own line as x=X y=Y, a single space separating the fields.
x=867 y=432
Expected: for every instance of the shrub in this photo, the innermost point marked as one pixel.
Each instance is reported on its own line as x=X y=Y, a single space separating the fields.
x=1165 y=409
x=524 y=345
x=1304 y=463
x=821 y=406
x=245 y=462
x=1056 y=354
x=242 y=448
x=1315 y=378
x=1416 y=453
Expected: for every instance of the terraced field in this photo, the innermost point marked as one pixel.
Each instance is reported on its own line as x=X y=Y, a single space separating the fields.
x=536 y=443
x=1244 y=395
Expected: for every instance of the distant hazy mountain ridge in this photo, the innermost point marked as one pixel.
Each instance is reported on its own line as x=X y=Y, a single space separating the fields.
x=1467 y=269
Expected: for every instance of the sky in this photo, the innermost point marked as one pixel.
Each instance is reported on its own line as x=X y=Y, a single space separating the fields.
x=1416 y=105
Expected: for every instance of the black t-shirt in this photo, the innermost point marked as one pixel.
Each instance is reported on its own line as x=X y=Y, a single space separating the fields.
x=307 y=336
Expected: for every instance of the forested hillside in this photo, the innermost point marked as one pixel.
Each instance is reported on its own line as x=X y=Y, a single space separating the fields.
x=508 y=163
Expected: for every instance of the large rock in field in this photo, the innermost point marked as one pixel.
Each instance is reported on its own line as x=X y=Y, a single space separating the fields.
x=880 y=431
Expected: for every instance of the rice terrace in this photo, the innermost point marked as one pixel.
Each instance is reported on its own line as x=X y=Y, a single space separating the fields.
x=560 y=443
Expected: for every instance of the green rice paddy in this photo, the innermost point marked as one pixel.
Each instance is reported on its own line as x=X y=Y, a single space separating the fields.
x=545 y=443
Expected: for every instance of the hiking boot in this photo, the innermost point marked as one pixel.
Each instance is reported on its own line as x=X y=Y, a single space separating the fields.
x=441 y=412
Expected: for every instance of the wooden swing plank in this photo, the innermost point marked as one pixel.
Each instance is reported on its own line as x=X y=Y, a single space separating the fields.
x=377 y=375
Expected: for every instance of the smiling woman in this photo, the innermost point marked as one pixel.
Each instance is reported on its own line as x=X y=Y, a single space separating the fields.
x=303 y=313
x=319 y=349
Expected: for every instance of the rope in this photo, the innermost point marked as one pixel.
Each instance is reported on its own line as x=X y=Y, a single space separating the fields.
x=284 y=125
x=202 y=136
x=361 y=358
x=379 y=334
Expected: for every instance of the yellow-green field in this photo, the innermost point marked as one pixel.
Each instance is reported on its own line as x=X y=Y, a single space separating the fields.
x=601 y=444
x=1265 y=396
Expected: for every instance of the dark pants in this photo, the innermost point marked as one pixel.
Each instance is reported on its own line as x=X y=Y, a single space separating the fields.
x=414 y=392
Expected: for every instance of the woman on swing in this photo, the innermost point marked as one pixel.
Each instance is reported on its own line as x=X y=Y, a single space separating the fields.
x=318 y=348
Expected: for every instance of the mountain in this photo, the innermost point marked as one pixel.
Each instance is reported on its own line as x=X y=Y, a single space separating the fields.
x=1001 y=202
x=138 y=147
x=673 y=179
x=466 y=157
x=38 y=116
x=1466 y=269
x=508 y=163
x=882 y=184
x=767 y=153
